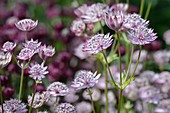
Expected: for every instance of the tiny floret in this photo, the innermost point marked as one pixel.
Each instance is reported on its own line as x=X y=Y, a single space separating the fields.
x=97 y=43
x=85 y=79
x=26 y=24
x=65 y=108
x=8 y=46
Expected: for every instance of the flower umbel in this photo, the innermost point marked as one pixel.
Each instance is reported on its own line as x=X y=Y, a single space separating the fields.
x=33 y=45
x=97 y=43
x=65 y=108
x=85 y=79
x=8 y=46
x=25 y=54
x=37 y=71
x=46 y=52
x=58 y=89
x=26 y=24
x=78 y=27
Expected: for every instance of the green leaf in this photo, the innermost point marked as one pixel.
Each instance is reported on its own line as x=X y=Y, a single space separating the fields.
x=127 y=83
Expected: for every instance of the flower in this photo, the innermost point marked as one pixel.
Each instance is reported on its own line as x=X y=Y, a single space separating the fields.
x=95 y=13
x=85 y=79
x=78 y=27
x=39 y=99
x=33 y=45
x=14 y=106
x=114 y=20
x=5 y=59
x=141 y=35
x=96 y=95
x=65 y=108
x=84 y=107
x=81 y=10
x=58 y=89
x=8 y=46
x=119 y=7
x=166 y=36
x=97 y=43
x=163 y=106
x=37 y=71
x=46 y=52
x=26 y=24
x=42 y=112
x=25 y=54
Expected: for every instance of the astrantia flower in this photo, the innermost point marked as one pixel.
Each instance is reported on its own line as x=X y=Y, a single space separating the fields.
x=85 y=79
x=14 y=106
x=8 y=46
x=84 y=107
x=39 y=99
x=97 y=43
x=81 y=10
x=163 y=106
x=37 y=71
x=33 y=45
x=114 y=20
x=46 y=52
x=42 y=112
x=119 y=7
x=58 y=89
x=26 y=24
x=25 y=54
x=95 y=13
x=5 y=58
x=141 y=35
x=65 y=108
x=78 y=27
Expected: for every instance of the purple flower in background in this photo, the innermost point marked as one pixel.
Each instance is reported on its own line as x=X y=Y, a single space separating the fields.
x=78 y=27
x=141 y=35
x=65 y=108
x=37 y=71
x=85 y=79
x=163 y=106
x=25 y=54
x=119 y=7
x=33 y=45
x=8 y=46
x=114 y=20
x=14 y=106
x=95 y=13
x=81 y=10
x=97 y=43
x=58 y=89
x=26 y=24
x=5 y=59
x=46 y=52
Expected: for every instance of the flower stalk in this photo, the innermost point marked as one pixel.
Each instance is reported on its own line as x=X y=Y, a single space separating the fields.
x=91 y=98
x=1 y=97
x=21 y=83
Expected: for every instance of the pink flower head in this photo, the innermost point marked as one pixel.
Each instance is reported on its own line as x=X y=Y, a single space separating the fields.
x=65 y=108
x=95 y=13
x=33 y=45
x=97 y=43
x=25 y=54
x=78 y=27
x=119 y=7
x=58 y=89
x=37 y=71
x=81 y=10
x=46 y=52
x=5 y=59
x=141 y=35
x=26 y=24
x=8 y=46
x=114 y=20
x=85 y=79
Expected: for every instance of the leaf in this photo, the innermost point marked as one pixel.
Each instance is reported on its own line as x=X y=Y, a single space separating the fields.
x=127 y=83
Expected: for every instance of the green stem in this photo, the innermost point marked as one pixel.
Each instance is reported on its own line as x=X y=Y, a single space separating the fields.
x=30 y=109
x=117 y=1
x=90 y=93
x=127 y=1
x=106 y=90
x=120 y=101
x=127 y=55
x=141 y=7
x=26 y=36
x=102 y=30
x=120 y=59
x=21 y=83
x=57 y=100
x=1 y=97
x=148 y=9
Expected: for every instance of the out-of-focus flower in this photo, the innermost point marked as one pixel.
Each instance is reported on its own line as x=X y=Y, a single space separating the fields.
x=33 y=45
x=164 y=77
x=25 y=54
x=39 y=88
x=166 y=37
x=83 y=107
x=65 y=108
x=37 y=71
x=58 y=89
x=141 y=81
x=95 y=13
x=153 y=46
x=26 y=24
x=78 y=27
x=46 y=52
x=149 y=75
x=95 y=94
x=138 y=69
x=8 y=92
x=43 y=112
x=141 y=35
x=114 y=20
x=143 y=56
x=8 y=46
x=163 y=106
x=119 y=7
x=101 y=84
x=5 y=59
x=112 y=98
x=39 y=99
x=14 y=106
x=4 y=79
x=85 y=79
x=81 y=10
x=72 y=96
x=97 y=43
